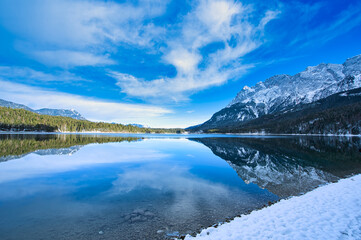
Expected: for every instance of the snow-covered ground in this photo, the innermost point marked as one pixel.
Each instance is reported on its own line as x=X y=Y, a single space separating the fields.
x=328 y=212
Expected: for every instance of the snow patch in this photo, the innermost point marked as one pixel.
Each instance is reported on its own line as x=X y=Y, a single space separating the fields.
x=328 y=212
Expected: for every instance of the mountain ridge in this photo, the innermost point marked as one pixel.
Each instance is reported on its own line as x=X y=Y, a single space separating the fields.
x=44 y=111
x=282 y=93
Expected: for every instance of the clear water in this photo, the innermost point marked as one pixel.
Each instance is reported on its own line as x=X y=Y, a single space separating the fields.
x=114 y=186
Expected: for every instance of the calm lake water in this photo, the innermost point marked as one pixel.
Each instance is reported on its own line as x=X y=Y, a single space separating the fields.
x=115 y=186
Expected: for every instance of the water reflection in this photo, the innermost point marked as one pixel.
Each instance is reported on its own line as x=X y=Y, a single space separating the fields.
x=291 y=165
x=18 y=145
x=71 y=187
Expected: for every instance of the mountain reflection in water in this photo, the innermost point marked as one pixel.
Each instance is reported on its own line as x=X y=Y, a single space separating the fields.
x=154 y=186
x=289 y=166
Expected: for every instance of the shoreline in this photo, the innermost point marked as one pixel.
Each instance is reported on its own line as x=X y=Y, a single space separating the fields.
x=187 y=133
x=331 y=211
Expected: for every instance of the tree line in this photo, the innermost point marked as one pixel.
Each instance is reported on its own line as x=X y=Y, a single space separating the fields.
x=23 y=120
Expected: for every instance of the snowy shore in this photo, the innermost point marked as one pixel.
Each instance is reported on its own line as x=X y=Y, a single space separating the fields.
x=328 y=212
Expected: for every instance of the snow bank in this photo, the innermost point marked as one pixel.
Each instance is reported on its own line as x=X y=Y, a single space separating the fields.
x=328 y=212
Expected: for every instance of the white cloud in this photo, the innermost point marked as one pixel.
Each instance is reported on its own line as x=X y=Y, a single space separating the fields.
x=217 y=16
x=92 y=109
x=210 y=21
x=67 y=59
x=82 y=30
x=74 y=33
x=185 y=62
x=16 y=73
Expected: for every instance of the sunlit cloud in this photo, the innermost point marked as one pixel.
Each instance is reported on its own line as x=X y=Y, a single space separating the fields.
x=25 y=74
x=211 y=21
x=69 y=33
x=68 y=59
x=89 y=33
x=162 y=52
x=92 y=109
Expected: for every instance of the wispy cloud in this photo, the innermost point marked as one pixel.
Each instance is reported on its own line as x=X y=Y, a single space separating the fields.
x=28 y=75
x=345 y=21
x=311 y=33
x=68 y=59
x=210 y=21
x=67 y=34
x=208 y=44
x=92 y=109
x=76 y=33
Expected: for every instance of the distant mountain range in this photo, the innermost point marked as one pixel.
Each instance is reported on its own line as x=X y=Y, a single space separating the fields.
x=324 y=99
x=44 y=111
x=139 y=125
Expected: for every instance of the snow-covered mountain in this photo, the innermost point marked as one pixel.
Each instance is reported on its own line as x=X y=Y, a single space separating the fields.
x=61 y=112
x=281 y=93
x=4 y=103
x=44 y=111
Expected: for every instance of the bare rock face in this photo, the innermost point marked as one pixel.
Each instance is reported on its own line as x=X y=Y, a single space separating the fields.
x=281 y=93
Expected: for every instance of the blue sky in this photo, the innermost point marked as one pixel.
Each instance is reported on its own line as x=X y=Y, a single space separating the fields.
x=162 y=63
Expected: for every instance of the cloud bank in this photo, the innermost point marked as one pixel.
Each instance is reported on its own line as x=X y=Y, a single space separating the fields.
x=92 y=109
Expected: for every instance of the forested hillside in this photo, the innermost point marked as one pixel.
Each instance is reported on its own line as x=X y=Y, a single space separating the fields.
x=23 y=120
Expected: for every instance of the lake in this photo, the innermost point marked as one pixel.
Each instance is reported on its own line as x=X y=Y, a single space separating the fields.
x=129 y=186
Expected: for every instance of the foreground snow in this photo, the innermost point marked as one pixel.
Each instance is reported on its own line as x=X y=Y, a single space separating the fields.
x=328 y=212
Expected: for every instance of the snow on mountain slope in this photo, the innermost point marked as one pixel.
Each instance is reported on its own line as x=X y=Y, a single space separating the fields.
x=4 y=103
x=44 y=111
x=61 y=112
x=282 y=92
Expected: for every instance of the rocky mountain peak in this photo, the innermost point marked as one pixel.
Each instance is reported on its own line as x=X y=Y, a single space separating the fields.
x=283 y=92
